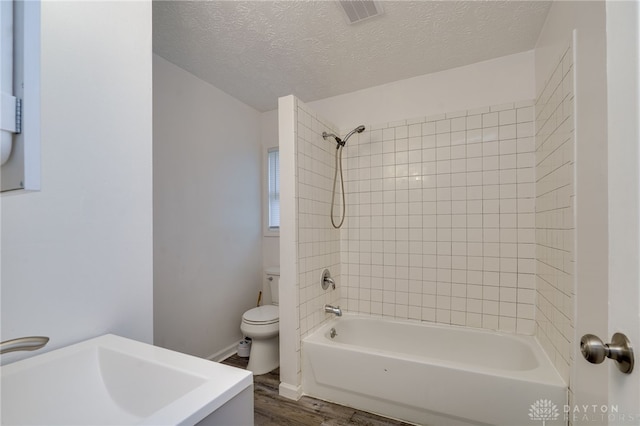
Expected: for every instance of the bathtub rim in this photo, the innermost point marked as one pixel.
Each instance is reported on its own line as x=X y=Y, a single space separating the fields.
x=544 y=373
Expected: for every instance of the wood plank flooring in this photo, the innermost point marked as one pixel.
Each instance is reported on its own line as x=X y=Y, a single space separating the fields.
x=273 y=410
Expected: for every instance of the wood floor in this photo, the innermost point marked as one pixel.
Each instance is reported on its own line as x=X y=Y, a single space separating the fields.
x=273 y=410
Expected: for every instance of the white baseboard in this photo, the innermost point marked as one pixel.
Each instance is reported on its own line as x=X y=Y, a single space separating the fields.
x=224 y=353
x=290 y=391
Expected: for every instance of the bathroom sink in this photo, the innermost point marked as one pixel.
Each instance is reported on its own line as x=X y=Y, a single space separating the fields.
x=111 y=380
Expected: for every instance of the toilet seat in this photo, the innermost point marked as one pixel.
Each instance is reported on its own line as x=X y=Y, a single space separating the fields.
x=262 y=315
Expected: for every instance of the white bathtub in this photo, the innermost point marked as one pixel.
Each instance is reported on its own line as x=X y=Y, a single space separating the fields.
x=431 y=374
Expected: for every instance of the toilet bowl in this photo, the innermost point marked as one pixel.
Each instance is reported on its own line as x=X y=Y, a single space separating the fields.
x=262 y=325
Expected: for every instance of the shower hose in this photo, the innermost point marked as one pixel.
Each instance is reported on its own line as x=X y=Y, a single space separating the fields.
x=333 y=194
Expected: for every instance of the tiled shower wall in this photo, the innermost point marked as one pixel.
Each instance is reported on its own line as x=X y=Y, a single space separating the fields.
x=313 y=243
x=318 y=241
x=441 y=219
x=555 y=226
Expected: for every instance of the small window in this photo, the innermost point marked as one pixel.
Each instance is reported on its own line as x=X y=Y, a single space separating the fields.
x=273 y=157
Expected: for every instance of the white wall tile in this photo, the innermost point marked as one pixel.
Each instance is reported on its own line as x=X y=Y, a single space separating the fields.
x=435 y=202
x=552 y=224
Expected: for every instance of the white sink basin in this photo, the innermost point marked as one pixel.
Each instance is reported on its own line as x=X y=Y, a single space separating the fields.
x=111 y=380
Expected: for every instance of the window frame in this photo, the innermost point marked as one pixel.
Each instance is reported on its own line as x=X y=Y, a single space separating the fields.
x=22 y=173
x=268 y=230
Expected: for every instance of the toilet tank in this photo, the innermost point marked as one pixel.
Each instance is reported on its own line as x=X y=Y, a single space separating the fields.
x=272 y=281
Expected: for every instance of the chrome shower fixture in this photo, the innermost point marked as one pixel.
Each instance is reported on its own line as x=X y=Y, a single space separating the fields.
x=342 y=142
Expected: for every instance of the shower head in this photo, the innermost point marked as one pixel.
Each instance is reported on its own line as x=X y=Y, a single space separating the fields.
x=358 y=129
x=342 y=142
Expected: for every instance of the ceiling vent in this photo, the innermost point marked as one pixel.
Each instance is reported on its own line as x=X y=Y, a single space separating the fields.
x=360 y=10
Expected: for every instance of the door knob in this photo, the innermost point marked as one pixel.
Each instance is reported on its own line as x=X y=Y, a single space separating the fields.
x=619 y=350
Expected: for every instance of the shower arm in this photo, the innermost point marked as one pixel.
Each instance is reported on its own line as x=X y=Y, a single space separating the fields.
x=342 y=142
x=339 y=141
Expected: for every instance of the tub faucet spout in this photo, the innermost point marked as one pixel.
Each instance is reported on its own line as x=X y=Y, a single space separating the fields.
x=333 y=310
x=30 y=343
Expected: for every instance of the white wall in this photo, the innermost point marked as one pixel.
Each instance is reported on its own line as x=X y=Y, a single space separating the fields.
x=290 y=377
x=77 y=255
x=588 y=383
x=207 y=213
x=623 y=87
x=491 y=82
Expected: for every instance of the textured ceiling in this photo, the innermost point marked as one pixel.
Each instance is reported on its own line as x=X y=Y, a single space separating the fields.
x=258 y=51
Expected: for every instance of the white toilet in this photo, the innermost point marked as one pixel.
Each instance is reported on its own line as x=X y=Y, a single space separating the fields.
x=262 y=324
